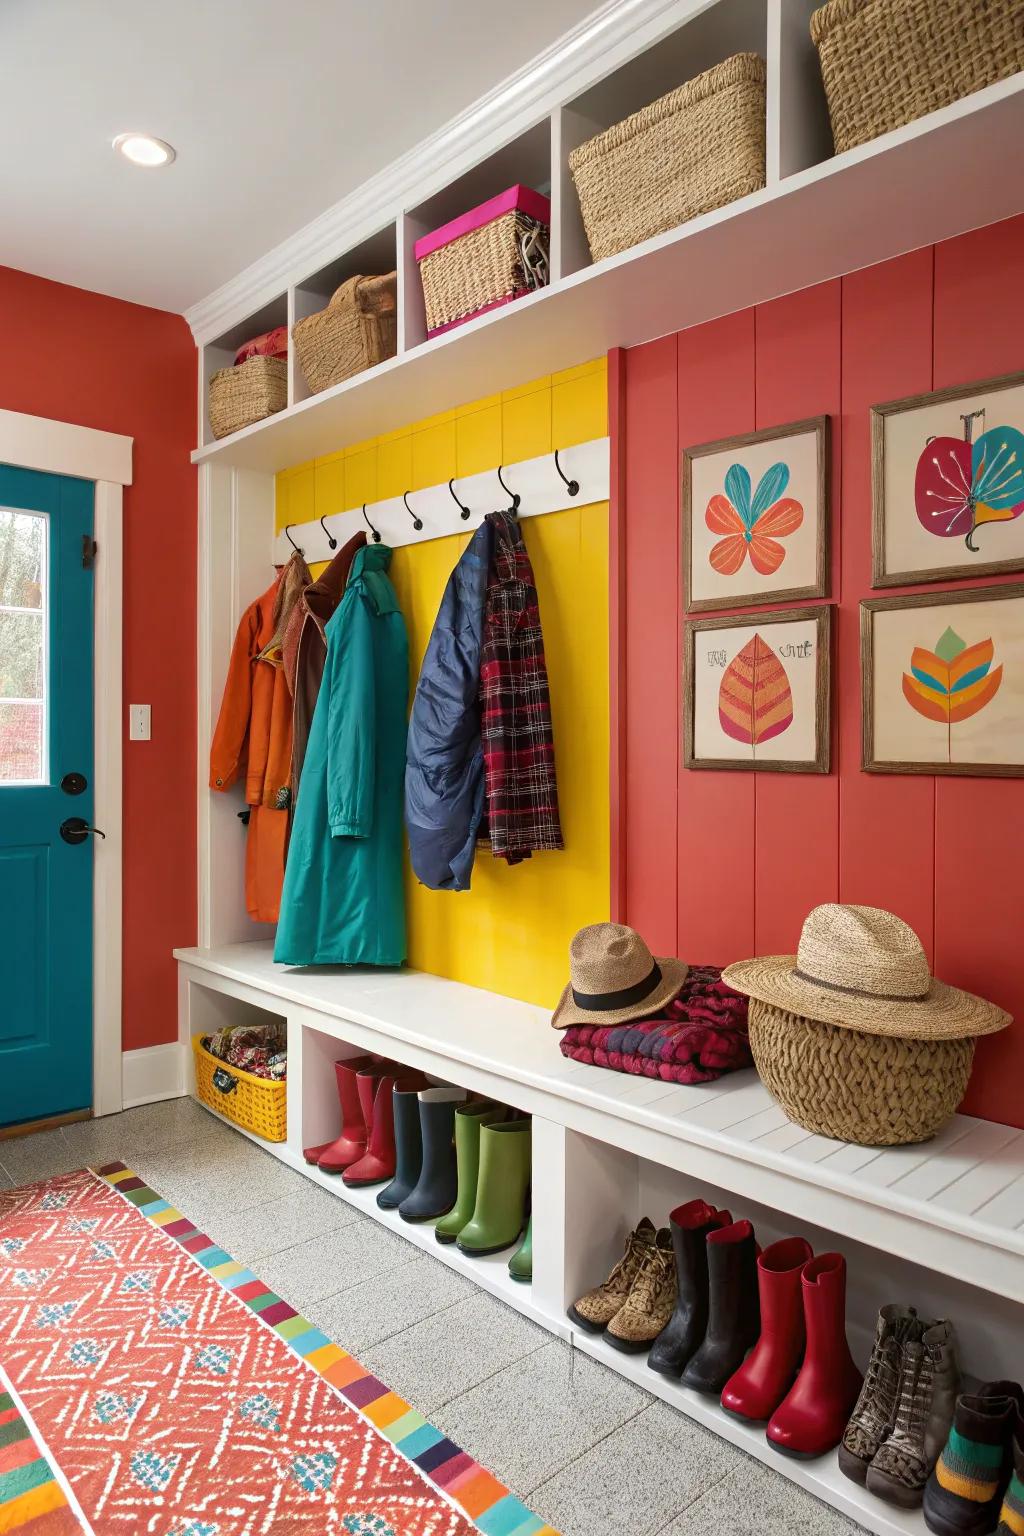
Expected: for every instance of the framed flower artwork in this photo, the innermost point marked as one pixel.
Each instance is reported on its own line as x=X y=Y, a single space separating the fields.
x=755 y=517
x=756 y=691
x=948 y=483
x=943 y=682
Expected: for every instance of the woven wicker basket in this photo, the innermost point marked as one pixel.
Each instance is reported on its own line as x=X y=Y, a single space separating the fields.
x=877 y=1090
x=358 y=329
x=698 y=148
x=247 y=393
x=258 y=1104
x=886 y=62
x=490 y=256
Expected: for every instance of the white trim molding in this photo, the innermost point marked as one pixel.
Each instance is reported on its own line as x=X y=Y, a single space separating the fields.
x=152 y=1073
x=602 y=41
x=61 y=448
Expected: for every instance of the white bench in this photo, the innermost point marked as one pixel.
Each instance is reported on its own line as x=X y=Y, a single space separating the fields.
x=940 y=1225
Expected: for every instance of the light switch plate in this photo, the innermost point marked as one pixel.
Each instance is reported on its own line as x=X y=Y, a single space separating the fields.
x=138 y=722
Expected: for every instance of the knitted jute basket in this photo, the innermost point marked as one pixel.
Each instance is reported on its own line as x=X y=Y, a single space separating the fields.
x=878 y=1090
x=698 y=148
x=886 y=62
x=478 y=268
x=246 y=393
x=357 y=330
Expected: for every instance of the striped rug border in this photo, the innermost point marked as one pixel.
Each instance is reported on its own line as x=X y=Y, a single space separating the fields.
x=32 y=1501
x=478 y=1493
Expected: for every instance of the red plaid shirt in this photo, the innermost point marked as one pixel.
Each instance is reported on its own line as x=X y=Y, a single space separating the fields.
x=518 y=746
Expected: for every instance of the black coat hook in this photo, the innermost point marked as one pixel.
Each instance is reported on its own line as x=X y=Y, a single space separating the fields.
x=331 y=540
x=366 y=520
x=572 y=486
x=463 y=509
x=417 y=522
x=288 y=535
x=513 y=495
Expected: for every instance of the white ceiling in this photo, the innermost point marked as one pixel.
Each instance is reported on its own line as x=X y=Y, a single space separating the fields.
x=277 y=109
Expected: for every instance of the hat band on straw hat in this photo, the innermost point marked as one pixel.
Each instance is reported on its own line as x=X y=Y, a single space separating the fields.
x=602 y=1002
x=880 y=997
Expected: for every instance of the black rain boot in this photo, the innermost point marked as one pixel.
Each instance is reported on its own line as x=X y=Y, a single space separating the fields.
x=734 y=1308
x=405 y=1100
x=438 y=1185
x=682 y=1335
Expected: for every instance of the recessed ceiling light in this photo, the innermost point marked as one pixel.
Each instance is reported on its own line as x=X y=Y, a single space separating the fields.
x=143 y=149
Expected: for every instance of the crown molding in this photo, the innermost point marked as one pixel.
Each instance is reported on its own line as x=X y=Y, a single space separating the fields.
x=611 y=35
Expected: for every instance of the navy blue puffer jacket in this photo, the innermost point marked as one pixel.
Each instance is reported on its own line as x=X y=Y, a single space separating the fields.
x=444 y=773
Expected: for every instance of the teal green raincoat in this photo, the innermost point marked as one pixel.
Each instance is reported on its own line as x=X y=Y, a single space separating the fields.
x=343 y=901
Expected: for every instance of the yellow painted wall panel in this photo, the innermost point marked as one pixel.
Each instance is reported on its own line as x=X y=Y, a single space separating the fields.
x=511 y=931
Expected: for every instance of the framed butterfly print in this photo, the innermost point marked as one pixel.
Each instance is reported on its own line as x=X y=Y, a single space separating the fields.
x=757 y=691
x=756 y=517
x=948 y=483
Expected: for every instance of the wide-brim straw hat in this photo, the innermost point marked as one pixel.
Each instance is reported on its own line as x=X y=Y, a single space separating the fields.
x=613 y=977
x=862 y=968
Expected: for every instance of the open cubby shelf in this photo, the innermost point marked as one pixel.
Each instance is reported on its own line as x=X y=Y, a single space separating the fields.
x=818 y=217
x=608 y=1148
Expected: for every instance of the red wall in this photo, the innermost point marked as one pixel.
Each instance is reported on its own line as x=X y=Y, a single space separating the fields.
x=80 y=357
x=716 y=866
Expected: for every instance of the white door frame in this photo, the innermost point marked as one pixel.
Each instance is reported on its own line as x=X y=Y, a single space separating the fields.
x=60 y=448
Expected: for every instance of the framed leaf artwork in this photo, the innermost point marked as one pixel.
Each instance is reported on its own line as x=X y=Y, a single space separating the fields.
x=756 y=691
x=943 y=682
x=948 y=483
x=755 y=517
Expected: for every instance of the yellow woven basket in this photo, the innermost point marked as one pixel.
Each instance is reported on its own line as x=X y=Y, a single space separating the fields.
x=257 y=1104
x=876 y=1090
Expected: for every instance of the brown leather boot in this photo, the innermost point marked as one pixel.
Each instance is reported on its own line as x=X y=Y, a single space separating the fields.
x=651 y=1300
x=874 y=1415
x=924 y=1412
x=595 y=1310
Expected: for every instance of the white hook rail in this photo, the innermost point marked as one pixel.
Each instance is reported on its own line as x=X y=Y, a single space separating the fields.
x=536 y=481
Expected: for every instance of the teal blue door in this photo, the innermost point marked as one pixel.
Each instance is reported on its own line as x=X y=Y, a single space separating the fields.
x=46 y=770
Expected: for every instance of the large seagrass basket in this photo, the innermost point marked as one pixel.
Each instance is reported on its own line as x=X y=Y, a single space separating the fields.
x=877 y=1090
x=698 y=148
x=887 y=62
x=357 y=330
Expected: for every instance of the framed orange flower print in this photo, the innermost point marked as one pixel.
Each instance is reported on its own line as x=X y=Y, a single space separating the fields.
x=756 y=517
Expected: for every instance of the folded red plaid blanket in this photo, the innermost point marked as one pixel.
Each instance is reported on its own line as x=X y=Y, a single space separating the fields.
x=696 y=1038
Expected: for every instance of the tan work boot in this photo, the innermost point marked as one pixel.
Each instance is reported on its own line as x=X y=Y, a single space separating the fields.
x=595 y=1310
x=924 y=1413
x=651 y=1300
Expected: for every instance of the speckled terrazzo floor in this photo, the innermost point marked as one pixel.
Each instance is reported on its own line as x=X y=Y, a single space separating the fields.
x=591 y=1453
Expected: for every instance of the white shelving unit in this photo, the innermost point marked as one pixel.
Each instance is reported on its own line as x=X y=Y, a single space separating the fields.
x=819 y=216
x=941 y=1225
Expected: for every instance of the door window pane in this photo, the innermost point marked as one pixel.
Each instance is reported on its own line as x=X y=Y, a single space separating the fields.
x=23 y=649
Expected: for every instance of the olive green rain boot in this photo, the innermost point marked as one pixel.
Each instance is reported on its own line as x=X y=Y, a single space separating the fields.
x=501 y=1188
x=520 y=1265
x=468 y=1120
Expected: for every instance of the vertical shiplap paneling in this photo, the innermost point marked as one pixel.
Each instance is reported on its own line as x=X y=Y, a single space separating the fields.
x=979 y=823
x=796 y=858
x=716 y=809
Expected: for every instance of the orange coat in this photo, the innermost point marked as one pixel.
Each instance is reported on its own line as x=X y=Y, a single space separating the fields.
x=254 y=737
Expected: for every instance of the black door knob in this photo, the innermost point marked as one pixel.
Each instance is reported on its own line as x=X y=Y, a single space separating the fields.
x=75 y=830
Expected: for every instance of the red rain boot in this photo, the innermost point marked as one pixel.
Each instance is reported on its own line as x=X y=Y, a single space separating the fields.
x=764 y=1378
x=813 y=1415
x=335 y=1155
x=377 y=1165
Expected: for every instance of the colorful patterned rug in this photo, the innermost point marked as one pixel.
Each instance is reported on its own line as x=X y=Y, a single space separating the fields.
x=155 y=1385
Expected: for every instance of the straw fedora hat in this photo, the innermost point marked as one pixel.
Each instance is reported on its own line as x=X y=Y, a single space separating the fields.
x=613 y=977
x=865 y=969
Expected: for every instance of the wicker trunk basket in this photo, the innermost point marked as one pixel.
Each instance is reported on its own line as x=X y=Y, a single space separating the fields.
x=698 y=148
x=246 y=393
x=886 y=62
x=877 y=1090
x=357 y=330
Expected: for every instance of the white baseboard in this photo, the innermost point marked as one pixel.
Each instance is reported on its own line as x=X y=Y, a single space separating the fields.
x=152 y=1073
